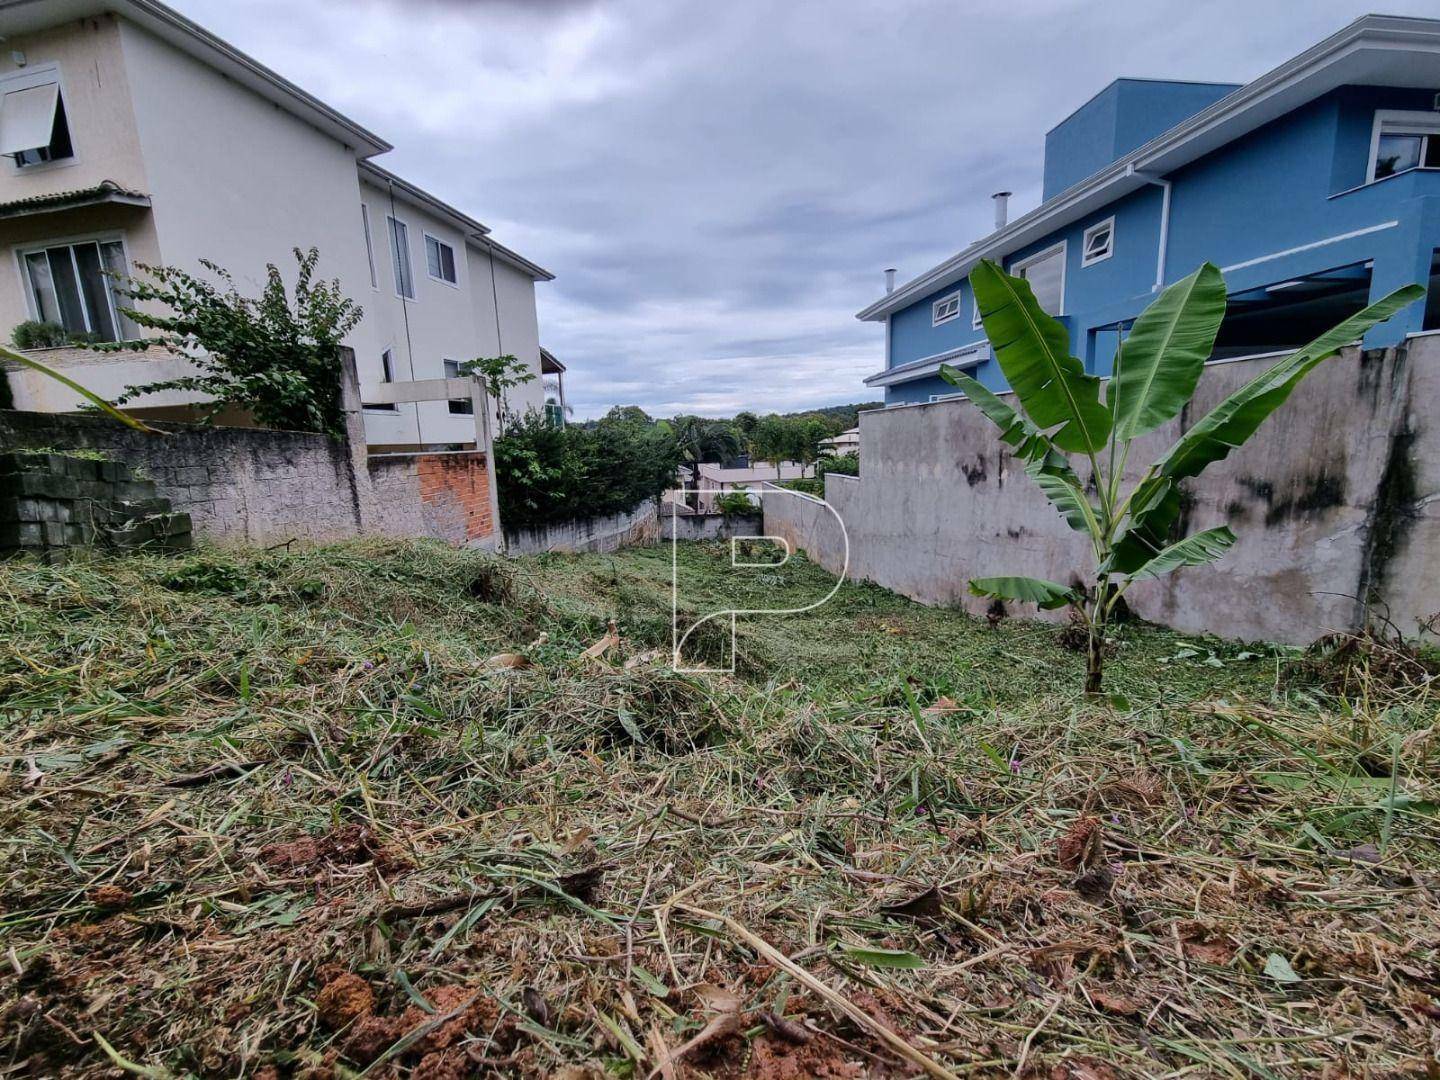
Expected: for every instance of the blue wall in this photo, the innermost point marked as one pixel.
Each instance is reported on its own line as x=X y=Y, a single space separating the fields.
x=1125 y=115
x=1298 y=182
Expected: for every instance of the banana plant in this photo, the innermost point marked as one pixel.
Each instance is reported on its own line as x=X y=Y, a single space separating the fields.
x=1065 y=414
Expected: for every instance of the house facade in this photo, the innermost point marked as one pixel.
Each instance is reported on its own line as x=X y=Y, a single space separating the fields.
x=1315 y=188
x=130 y=135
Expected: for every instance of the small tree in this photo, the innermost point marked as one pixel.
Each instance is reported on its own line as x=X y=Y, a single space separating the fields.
x=700 y=440
x=499 y=375
x=1155 y=374
x=773 y=440
x=274 y=358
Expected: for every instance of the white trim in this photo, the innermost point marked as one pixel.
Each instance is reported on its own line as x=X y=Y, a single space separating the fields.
x=1309 y=247
x=1280 y=91
x=109 y=236
x=975 y=353
x=391 y=221
x=1063 y=247
x=1413 y=123
x=944 y=397
x=936 y=319
x=454 y=260
x=369 y=244
x=42 y=75
x=975 y=321
x=1086 y=259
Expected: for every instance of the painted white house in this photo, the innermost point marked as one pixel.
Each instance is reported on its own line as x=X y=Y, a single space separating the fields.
x=129 y=134
x=847 y=442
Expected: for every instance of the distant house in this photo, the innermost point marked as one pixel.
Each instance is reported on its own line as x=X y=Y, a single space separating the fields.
x=715 y=480
x=1315 y=188
x=847 y=442
x=130 y=134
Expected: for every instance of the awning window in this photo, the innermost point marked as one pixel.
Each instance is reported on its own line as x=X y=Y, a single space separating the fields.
x=27 y=118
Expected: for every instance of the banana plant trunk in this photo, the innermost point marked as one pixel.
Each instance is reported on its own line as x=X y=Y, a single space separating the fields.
x=1094 y=660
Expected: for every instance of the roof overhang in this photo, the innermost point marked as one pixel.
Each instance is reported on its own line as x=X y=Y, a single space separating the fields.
x=28 y=16
x=549 y=365
x=106 y=193
x=1375 y=50
x=926 y=366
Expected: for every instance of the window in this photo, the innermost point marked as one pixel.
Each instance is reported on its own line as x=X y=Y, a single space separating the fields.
x=944 y=309
x=1046 y=274
x=458 y=406
x=400 y=258
x=33 y=127
x=70 y=285
x=439 y=259
x=387 y=374
x=1402 y=141
x=1099 y=242
x=975 y=323
x=369 y=247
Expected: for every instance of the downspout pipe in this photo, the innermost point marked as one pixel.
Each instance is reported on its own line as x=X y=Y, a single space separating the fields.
x=1163 y=248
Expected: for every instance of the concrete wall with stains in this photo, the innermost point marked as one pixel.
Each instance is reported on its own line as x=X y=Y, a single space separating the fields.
x=1335 y=500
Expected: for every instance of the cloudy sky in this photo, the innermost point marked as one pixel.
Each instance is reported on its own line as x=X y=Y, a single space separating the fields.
x=717 y=186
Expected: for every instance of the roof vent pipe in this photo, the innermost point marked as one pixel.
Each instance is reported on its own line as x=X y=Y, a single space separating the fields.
x=1002 y=208
x=889 y=280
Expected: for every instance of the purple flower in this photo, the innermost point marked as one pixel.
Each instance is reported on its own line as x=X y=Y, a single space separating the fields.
x=1014 y=765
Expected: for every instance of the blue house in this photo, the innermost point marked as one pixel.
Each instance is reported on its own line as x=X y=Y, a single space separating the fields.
x=1315 y=188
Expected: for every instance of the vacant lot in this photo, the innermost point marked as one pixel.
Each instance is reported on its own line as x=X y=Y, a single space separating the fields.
x=373 y=810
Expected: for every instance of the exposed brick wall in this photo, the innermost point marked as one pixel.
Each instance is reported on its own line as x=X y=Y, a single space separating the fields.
x=455 y=493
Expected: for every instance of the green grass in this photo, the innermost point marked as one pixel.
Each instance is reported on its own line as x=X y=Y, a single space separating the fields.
x=234 y=778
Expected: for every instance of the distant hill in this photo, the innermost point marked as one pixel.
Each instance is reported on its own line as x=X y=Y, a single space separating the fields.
x=847 y=416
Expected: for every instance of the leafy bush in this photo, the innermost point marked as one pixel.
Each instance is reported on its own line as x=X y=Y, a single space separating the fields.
x=735 y=502
x=548 y=474
x=33 y=334
x=841 y=465
x=267 y=355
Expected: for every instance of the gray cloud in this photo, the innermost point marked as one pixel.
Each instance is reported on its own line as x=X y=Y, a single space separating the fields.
x=717 y=186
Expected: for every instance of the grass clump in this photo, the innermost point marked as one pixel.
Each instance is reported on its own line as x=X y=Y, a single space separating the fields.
x=373 y=807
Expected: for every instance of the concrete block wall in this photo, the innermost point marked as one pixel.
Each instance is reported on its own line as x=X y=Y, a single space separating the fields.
x=1336 y=502
x=51 y=503
x=640 y=526
x=709 y=526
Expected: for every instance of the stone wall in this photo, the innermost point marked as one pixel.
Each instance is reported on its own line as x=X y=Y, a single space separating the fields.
x=638 y=527
x=1335 y=499
x=256 y=487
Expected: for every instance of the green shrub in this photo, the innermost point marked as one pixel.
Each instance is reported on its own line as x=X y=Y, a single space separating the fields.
x=33 y=334
x=735 y=502
x=548 y=474
x=841 y=465
x=273 y=355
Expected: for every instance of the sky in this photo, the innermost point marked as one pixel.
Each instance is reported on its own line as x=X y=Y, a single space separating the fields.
x=718 y=186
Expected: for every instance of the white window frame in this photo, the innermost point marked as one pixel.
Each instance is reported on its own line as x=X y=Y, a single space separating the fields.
x=936 y=319
x=467 y=405
x=110 y=237
x=40 y=75
x=369 y=245
x=1040 y=256
x=454 y=260
x=390 y=222
x=1086 y=259
x=944 y=397
x=1407 y=122
x=975 y=323
x=387 y=375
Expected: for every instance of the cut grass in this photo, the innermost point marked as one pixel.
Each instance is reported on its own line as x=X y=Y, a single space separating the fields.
x=235 y=779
